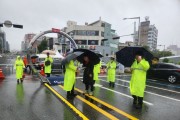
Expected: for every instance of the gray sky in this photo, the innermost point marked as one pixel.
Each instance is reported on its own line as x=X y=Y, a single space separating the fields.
x=40 y=15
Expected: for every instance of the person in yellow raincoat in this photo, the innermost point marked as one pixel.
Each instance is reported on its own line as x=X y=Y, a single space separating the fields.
x=48 y=62
x=69 y=79
x=96 y=72
x=111 y=71
x=18 y=66
x=138 y=79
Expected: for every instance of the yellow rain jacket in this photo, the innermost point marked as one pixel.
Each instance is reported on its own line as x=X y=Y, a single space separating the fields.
x=138 y=78
x=96 y=70
x=111 y=67
x=18 y=66
x=48 y=68
x=69 y=77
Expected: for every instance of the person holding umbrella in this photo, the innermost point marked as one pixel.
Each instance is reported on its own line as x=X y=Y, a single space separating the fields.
x=138 y=79
x=88 y=76
x=111 y=71
x=48 y=62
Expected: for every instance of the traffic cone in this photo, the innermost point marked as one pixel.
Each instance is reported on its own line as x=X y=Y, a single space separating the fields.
x=1 y=74
x=42 y=71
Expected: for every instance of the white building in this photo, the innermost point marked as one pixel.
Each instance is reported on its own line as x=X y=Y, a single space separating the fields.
x=152 y=37
x=90 y=36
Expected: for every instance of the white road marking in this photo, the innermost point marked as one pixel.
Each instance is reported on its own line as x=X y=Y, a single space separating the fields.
x=152 y=86
x=122 y=94
x=149 y=92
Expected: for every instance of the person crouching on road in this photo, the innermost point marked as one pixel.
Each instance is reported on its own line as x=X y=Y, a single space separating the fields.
x=138 y=79
x=69 y=79
x=18 y=66
x=48 y=62
x=111 y=71
x=88 y=75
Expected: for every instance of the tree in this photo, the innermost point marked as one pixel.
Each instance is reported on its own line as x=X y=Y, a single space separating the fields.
x=159 y=54
x=166 y=60
x=42 y=46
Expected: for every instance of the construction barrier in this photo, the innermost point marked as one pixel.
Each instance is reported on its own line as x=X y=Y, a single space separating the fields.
x=1 y=74
x=42 y=71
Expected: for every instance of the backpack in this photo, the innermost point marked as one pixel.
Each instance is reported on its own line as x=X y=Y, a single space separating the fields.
x=47 y=63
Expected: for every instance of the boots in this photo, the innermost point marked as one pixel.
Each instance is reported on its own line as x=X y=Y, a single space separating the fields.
x=17 y=81
x=140 y=102
x=135 y=99
x=73 y=94
x=69 y=95
x=110 y=84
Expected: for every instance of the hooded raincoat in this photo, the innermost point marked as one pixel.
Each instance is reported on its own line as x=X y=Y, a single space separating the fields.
x=18 y=66
x=111 y=66
x=69 y=77
x=48 y=68
x=138 y=78
x=96 y=70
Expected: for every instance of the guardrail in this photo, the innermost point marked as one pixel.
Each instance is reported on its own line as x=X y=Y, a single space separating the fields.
x=7 y=68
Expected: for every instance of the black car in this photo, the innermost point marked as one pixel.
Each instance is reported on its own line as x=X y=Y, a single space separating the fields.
x=165 y=71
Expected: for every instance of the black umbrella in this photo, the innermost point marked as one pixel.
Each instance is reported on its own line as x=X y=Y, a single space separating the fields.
x=126 y=55
x=94 y=58
x=97 y=53
x=70 y=57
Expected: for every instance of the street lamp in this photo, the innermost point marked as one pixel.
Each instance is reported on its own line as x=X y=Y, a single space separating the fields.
x=163 y=49
x=139 y=33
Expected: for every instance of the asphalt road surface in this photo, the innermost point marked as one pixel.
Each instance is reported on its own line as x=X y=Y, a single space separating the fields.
x=32 y=100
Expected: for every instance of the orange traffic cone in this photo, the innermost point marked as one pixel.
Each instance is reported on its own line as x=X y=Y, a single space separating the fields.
x=1 y=74
x=42 y=71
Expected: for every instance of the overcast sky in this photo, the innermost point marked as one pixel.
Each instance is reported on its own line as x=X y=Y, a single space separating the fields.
x=41 y=15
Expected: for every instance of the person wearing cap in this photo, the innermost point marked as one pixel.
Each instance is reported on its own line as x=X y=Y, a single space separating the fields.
x=18 y=66
x=48 y=62
x=138 y=79
x=111 y=71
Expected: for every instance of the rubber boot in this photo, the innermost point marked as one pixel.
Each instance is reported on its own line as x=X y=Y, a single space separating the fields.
x=72 y=93
x=140 y=102
x=18 y=81
x=69 y=95
x=135 y=99
x=110 y=84
x=113 y=84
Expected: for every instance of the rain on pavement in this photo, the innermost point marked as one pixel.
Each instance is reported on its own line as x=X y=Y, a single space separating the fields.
x=32 y=100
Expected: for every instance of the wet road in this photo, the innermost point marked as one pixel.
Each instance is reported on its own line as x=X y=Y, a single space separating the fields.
x=34 y=101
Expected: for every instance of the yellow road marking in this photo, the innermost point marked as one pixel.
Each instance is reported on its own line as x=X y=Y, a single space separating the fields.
x=95 y=107
x=111 y=117
x=66 y=102
x=110 y=106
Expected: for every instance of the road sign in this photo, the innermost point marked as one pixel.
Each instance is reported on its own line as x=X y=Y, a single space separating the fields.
x=8 y=23
x=55 y=30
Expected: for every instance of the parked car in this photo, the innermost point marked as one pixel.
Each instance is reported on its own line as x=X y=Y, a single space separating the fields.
x=165 y=71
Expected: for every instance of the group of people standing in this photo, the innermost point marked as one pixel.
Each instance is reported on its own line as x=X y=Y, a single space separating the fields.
x=90 y=75
x=137 y=83
x=21 y=66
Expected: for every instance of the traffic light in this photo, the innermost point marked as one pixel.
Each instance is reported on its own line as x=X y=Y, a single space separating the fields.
x=18 y=26
x=1 y=25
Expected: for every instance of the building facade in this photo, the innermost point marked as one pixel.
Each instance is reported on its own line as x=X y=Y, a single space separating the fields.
x=27 y=38
x=148 y=35
x=4 y=45
x=90 y=36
